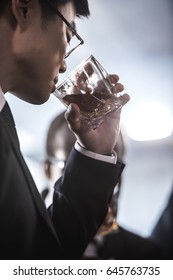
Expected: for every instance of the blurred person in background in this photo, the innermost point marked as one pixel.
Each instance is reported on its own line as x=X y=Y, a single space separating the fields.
x=34 y=35
x=59 y=143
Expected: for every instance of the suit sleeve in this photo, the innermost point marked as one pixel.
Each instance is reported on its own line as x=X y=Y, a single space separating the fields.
x=81 y=200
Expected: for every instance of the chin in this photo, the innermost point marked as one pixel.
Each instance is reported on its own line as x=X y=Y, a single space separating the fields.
x=39 y=99
x=33 y=97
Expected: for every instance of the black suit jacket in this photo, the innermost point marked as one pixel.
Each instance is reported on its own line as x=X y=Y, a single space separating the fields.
x=127 y=245
x=163 y=231
x=27 y=229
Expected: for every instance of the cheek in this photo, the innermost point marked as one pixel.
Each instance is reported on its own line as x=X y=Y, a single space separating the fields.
x=39 y=55
x=55 y=51
x=51 y=44
x=58 y=38
x=61 y=47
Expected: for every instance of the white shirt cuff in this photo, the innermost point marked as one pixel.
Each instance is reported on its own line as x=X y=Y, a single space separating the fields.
x=110 y=159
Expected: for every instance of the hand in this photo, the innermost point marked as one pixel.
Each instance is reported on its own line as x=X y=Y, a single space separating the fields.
x=82 y=80
x=103 y=139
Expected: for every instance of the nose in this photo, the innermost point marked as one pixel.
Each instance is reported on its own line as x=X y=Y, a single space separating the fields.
x=63 y=66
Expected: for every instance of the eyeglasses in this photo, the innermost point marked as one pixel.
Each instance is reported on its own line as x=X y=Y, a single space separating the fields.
x=74 y=44
x=58 y=162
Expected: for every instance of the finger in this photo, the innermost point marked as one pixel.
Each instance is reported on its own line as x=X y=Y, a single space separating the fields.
x=83 y=74
x=117 y=88
x=80 y=78
x=75 y=90
x=89 y=69
x=101 y=86
x=117 y=111
x=113 y=78
x=72 y=116
x=124 y=98
x=82 y=81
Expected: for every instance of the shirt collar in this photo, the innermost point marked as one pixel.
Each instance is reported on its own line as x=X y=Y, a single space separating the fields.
x=2 y=99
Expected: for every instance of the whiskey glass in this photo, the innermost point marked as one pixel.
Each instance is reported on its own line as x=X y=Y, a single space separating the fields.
x=90 y=88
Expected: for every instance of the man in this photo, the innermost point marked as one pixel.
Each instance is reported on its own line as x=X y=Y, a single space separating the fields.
x=33 y=46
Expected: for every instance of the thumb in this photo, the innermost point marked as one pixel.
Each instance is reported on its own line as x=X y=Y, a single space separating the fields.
x=72 y=116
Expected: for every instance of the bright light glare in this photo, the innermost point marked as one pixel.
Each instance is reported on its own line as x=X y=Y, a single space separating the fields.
x=150 y=121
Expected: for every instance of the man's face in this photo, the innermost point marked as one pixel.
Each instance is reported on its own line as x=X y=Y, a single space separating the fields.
x=39 y=48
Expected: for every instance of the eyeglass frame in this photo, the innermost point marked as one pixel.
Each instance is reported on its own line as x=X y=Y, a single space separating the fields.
x=54 y=160
x=74 y=32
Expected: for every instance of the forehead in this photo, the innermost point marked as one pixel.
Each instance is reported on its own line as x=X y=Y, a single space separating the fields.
x=68 y=11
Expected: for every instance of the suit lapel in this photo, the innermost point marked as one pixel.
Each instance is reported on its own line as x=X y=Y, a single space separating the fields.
x=39 y=204
x=9 y=121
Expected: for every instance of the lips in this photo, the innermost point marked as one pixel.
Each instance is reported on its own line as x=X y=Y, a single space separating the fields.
x=56 y=79
x=55 y=82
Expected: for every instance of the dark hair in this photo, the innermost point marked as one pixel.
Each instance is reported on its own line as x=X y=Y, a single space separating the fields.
x=3 y=4
x=82 y=8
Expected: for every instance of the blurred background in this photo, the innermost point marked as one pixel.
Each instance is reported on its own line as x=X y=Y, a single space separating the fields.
x=133 y=39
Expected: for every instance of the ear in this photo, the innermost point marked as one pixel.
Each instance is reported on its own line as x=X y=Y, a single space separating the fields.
x=21 y=11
